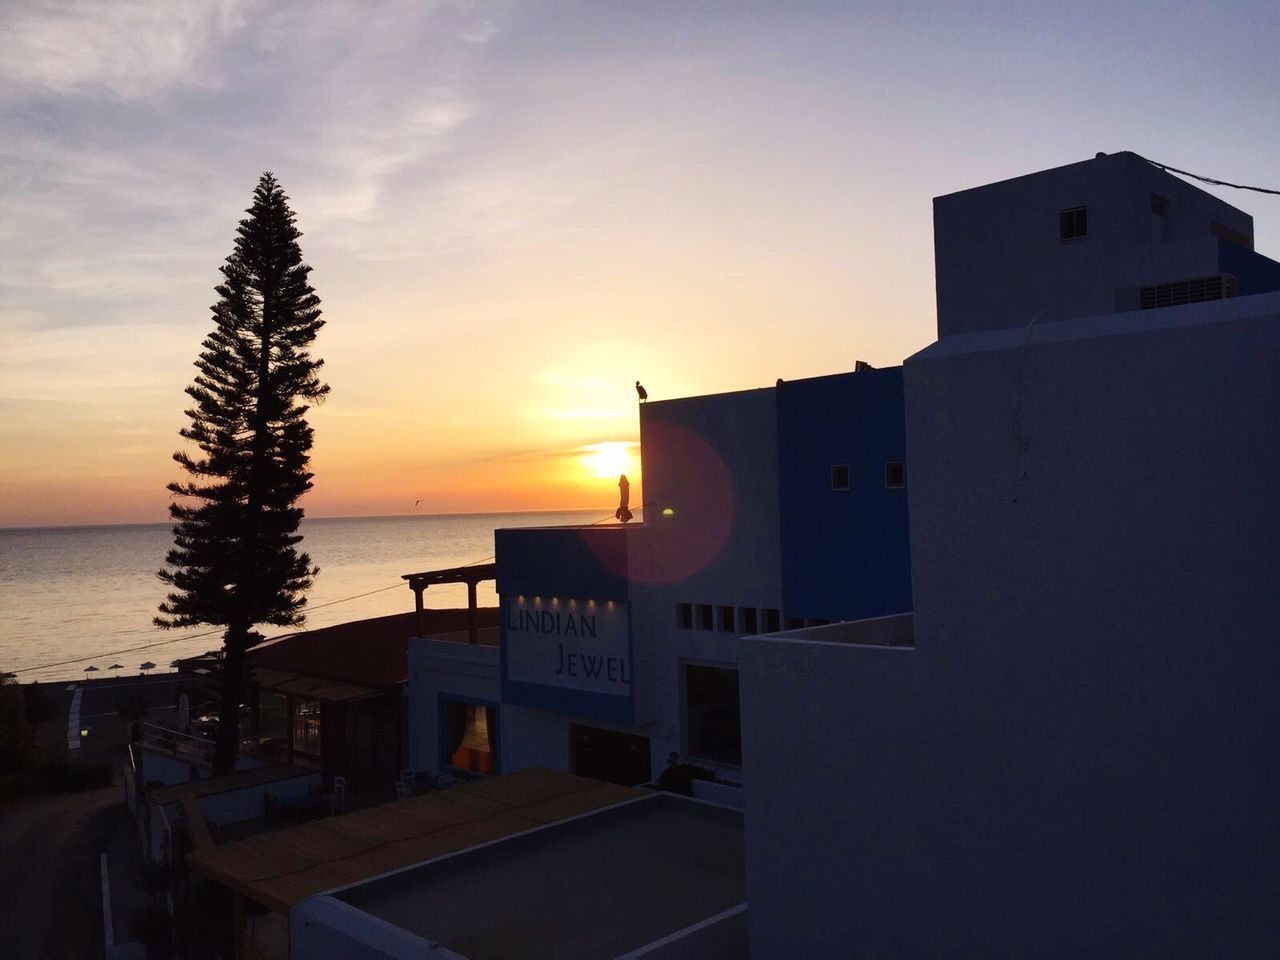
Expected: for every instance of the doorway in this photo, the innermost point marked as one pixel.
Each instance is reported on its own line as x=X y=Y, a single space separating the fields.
x=609 y=755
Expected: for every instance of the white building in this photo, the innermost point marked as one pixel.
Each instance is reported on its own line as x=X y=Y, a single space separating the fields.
x=619 y=643
x=1073 y=751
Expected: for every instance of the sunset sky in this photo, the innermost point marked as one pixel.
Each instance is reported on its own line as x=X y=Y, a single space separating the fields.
x=515 y=210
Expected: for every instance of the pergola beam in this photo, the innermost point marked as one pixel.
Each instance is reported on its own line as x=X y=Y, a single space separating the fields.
x=419 y=582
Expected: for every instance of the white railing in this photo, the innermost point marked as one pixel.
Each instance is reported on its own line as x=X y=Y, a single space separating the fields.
x=188 y=746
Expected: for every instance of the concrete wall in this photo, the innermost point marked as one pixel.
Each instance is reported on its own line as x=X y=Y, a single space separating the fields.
x=845 y=554
x=714 y=462
x=1078 y=756
x=999 y=260
x=248 y=803
x=323 y=928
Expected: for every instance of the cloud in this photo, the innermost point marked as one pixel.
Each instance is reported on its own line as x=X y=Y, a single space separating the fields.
x=128 y=49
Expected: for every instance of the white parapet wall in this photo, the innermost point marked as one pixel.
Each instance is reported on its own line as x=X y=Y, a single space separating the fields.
x=324 y=928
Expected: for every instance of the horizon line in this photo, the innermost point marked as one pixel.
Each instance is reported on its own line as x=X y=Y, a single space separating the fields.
x=382 y=516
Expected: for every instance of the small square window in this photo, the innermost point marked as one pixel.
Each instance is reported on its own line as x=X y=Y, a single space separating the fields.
x=748 y=620
x=684 y=616
x=772 y=621
x=840 y=476
x=728 y=622
x=1159 y=204
x=895 y=475
x=1073 y=223
x=706 y=617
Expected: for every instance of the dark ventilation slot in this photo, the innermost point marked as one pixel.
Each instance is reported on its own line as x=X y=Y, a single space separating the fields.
x=1220 y=287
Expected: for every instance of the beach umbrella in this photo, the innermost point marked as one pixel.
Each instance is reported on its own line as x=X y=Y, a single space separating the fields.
x=90 y=669
x=147 y=666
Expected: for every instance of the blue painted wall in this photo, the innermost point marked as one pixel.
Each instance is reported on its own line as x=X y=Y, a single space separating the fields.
x=845 y=555
x=1254 y=273
x=586 y=563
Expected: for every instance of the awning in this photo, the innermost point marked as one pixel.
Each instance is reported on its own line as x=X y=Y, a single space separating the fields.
x=310 y=688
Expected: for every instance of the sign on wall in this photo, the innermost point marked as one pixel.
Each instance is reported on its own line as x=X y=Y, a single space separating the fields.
x=568 y=643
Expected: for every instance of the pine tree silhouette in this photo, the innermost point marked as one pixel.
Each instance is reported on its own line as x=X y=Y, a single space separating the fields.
x=235 y=561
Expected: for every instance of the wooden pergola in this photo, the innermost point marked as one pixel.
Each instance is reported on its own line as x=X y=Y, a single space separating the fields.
x=418 y=582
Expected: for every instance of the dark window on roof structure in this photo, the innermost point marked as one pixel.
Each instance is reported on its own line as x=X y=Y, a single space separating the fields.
x=772 y=621
x=684 y=616
x=712 y=714
x=1159 y=204
x=1073 y=223
x=748 y=621
x=727 y=623
x=895 y=475
x=839 y=476
x=706 y=617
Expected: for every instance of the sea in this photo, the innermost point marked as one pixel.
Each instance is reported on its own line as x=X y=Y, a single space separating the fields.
x=72 y=598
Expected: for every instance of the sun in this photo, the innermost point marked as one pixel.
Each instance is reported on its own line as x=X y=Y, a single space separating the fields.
x=608 y=459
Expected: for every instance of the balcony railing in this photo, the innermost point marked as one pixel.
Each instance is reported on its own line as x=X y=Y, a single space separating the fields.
x=177 y=743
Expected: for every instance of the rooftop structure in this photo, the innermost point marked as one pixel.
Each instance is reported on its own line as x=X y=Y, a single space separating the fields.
x=1074 y=754
x=1102 y=236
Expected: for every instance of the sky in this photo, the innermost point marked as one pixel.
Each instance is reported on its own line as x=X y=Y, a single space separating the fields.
x=515 y=210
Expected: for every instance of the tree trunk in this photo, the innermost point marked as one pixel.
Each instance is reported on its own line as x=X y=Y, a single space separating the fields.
x=228 y=742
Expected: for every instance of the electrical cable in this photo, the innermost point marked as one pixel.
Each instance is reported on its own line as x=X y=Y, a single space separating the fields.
x=1203 y=179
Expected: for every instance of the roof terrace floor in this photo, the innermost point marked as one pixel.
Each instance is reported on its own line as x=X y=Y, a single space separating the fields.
x=600 y=885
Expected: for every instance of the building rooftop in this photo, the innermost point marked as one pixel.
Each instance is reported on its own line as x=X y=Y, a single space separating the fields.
x=595 y=886
x=360 y=656
x=282 y=868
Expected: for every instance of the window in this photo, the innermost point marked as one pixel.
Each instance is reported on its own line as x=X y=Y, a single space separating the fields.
x=273 y=717
x=306 y=727
x=840 y=476
x=895 y=475
x=684 y=616
x=748 y=620
x=1159 y=204
x=706 y=617
x=1073 y=223
x=727 y=624
x=712 y=714
x=470 y=736
x=772 y=621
